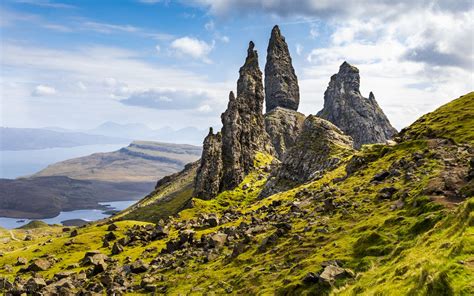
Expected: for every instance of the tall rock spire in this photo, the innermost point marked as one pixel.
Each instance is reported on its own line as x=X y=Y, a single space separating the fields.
x=359 y=117
x=243 y=134
x=281 y=83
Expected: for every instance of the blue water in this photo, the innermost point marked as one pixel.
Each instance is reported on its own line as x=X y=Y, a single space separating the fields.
x=88 y=215
x=21 y=163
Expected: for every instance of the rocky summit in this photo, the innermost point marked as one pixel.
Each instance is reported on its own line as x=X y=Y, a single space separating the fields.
x=359 y=117
x=243 y=134
x=281 y=83
x=319 y=148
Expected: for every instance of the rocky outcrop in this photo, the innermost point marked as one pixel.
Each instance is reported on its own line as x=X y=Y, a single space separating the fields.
x=359 y=117
x=209 y=173
x=243 y=134
x=319 y=148
x=283 y=126
x=281 y=83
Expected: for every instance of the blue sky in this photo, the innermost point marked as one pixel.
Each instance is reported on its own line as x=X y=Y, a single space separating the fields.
x=77 y=64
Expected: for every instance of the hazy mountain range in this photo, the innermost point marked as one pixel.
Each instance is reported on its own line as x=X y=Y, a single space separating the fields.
x=106 y=133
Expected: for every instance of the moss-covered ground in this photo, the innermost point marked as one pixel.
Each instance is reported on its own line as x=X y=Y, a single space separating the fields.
x=405 y=243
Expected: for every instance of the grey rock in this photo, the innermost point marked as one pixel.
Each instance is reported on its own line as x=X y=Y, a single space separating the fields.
x=281 y=83
x=35 y=284
x=209 y=174
x=319 y=148
x=333 y=272
x=359 y=117
x=139 y=266
x=39 y=265
x=243 y=135
x=283 y=126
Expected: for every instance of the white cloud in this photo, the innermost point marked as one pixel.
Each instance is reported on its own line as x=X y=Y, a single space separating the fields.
x=224 y=39
x=158 y=49
x=43 y=90
x=110 y=75
x=299 y=49
x=204 y=109
x=192 y=47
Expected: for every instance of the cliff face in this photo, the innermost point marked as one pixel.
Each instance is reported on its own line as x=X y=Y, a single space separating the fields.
x=283 y=126
x=281 y=83
x=243 y=135
x=319 y=148
x=209 y=173
x=359 y=117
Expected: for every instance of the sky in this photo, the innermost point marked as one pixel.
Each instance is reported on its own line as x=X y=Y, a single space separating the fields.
x=77 y=64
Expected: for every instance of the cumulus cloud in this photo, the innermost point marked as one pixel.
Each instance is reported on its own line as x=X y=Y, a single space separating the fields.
x=43 y=90
x=168 y=99
x=192 y=47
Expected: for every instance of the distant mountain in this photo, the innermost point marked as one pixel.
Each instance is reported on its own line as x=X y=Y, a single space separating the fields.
x=35 y=138
x=137 y=131
x=141 y=161
x=80 y=183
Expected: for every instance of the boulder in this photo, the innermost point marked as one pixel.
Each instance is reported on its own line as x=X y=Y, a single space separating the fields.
x=34 y=284
x=139 y=266
x=39 y=265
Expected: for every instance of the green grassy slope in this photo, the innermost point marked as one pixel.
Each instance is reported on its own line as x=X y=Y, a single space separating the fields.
x=166 y=200
x=454 y=120
x=417 y=239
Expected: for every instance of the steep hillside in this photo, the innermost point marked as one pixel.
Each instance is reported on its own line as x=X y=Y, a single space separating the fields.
x=391 y=220
x=454 y=121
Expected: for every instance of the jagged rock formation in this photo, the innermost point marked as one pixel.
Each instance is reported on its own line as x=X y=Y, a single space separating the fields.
x=281 y=83
x=358 y=117
x=318 y=149
x=209 y=174
x=243 y=134
x=283 y=126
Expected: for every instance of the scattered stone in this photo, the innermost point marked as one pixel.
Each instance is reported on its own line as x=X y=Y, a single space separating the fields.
x=110 y=236
x=381 y=176
x=112 y=227
x=21 y=261
x=39 y=265
x=28 y=237
x=219 y=239
x=117 y=249
x=386 y=193
x=35 y=284
x=74 y=233
x=333 y=272
x=139 y=266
